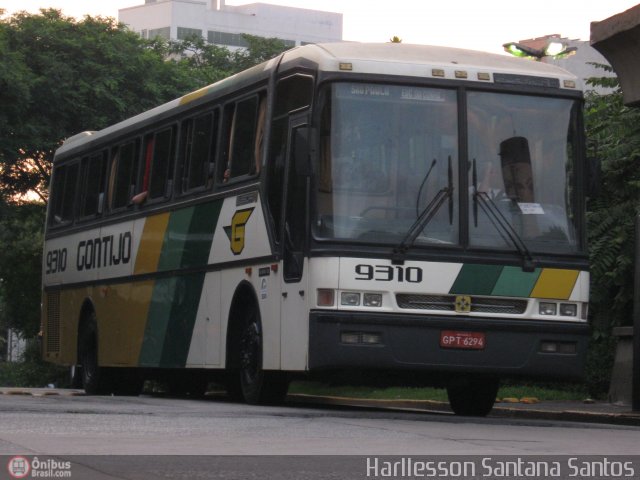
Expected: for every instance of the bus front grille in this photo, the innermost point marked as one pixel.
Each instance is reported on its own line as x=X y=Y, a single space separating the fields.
x=447 y=303
x=53 y=323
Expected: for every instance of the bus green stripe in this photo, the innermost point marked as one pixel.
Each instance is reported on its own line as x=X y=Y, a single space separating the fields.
x=184 y=310
x=189 y=236
x=164 y=291
x=175 y=239
x=514 y=282
x=476 y=279
x=174 y=301
x=200 y=237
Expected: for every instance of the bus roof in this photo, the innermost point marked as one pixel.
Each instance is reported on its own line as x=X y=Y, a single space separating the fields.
x=407 y=59
x=371 y=58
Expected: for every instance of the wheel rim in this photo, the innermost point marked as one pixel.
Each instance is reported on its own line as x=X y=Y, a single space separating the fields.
x=250 y=353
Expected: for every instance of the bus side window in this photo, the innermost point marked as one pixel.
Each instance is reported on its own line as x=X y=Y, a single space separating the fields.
x=162 y=169
x=244 y=127
x=294 y=92
x=65 y=184
x=94 y=170
x=124 y=171
x=157 y=174
x=198 y=155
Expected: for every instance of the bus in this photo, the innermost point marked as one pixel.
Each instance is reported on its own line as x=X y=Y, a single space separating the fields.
x=395 y=208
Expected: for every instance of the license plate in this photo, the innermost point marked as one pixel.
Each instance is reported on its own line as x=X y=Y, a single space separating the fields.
x=464 y=340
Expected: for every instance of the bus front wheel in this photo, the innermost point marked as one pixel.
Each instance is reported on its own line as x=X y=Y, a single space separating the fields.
x=473 y=397
x=257 y=385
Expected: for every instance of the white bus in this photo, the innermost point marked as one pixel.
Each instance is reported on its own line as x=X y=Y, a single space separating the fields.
x=383 y=207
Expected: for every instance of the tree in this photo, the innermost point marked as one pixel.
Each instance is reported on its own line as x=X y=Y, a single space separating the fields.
x=613 y=131
x=64 y=76
x=206 y=63
x=61 y=76
x=20 y=266
x=258 y=50
x=201 y=62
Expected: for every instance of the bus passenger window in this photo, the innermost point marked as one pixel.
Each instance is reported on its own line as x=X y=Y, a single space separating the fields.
x=199 y=151
x=245 y=122
x=94 y=172
x=157 y=179
x=124 y=170
x=65 y=182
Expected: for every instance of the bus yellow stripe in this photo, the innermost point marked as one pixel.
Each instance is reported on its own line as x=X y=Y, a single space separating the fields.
x=555 y=283
x=151 y=243
x=190 y=97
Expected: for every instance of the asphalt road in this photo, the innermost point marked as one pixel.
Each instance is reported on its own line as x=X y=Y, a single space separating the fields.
x=114 y=434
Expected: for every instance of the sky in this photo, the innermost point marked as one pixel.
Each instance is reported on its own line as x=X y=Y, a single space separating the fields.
x=475 y=24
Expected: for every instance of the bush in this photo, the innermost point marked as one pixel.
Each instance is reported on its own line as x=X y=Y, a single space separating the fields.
x=32 y=371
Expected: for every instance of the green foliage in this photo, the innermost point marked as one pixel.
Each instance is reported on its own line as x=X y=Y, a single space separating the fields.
x=66 y=76
x=204 y=63
x=599 y=363
x=613 y=131
x=32 y=371
x=20 y=266
x=61 y=76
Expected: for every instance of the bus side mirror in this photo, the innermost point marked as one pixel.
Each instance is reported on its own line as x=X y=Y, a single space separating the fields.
x=301 y=154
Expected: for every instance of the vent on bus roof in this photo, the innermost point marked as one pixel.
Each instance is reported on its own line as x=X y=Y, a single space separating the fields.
x=447 y=303
x=53 y=323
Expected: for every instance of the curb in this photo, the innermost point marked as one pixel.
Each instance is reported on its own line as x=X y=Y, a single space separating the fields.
x=573 y=415
x=41 y=392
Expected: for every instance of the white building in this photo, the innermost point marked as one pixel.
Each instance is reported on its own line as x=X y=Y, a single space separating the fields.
x=224 y=24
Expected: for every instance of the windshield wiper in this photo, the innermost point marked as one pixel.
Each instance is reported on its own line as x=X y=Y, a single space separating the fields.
x=500 y=222
x=427 y=214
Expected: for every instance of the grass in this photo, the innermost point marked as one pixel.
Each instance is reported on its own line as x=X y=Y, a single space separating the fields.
x=542 y=392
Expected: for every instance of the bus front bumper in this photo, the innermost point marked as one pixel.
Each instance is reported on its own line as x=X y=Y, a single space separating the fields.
x=509 y=347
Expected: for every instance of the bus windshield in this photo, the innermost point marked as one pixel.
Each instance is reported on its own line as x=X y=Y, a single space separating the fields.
x=388 y=153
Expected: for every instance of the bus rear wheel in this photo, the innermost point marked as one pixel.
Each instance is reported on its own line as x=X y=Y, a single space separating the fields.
x=94 y=378
x=257 y=385
x=473 y=397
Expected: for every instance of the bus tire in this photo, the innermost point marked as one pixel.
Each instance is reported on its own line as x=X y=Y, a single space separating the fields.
x=259 y=387
x=473 y=397
x=95 y=379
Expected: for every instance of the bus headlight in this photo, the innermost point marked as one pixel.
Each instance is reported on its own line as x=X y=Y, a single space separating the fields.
x=372 y=300
x=568 y=309
x=350 y=299
x=548 y=308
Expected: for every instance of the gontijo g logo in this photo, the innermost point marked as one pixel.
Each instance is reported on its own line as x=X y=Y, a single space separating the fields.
x=236 y=230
